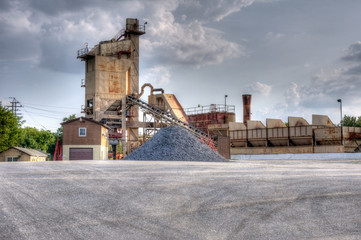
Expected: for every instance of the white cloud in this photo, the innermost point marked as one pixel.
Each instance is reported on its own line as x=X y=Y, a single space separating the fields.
x=326 y=87
x=191 y=44
x=273 y=36
x=158 y=76
x=188 y=42
x=220 y=9
x=18 y=21
x=259 y=88
x=292 y=95
x=5 y=101
x=66 y=25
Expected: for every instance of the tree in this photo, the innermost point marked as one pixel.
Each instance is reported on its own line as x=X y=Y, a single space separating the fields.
x=31 y=137
x=9 y=128
x=351 y=121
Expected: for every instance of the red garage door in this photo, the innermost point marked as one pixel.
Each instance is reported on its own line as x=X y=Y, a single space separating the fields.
x=80 y=154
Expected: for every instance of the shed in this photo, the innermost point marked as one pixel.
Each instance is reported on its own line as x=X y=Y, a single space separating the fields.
x=15 y=154
x=85 y=139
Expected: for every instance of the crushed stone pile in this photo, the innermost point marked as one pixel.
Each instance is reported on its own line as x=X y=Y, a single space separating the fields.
x=175 y=144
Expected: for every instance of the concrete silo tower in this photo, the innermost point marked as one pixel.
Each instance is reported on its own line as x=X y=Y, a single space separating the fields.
x=112 y=73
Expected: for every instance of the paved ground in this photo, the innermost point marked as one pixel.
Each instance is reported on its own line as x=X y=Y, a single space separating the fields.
x=273 y=199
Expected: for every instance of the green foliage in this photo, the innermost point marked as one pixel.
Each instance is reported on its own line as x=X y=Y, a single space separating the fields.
x=351 y=121
x=11 y=133
x=52 y=145
x=9 y=128
x=36 y=139
x=65 y=119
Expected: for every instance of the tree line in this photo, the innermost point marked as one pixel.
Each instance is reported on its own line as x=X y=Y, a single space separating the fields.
x=13 y=134
x=351 y=121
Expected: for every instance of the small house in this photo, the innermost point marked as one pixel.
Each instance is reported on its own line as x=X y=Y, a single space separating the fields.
x=15 y=154
x=85 y=139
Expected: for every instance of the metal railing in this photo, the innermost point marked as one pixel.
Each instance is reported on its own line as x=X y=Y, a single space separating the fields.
x=210 y=109
x=83 y=51
x=129 y=28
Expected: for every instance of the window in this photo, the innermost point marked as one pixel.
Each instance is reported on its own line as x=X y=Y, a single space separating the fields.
x=82 y=132
x=12 y=159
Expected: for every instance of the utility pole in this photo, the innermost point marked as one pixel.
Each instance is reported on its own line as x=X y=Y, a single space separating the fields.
x=15 y=104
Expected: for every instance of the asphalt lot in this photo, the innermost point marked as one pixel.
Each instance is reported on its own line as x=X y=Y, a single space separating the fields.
x=272 y=199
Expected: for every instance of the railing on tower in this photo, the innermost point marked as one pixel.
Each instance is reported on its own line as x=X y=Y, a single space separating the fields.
x=213 y=108
x=83 y=51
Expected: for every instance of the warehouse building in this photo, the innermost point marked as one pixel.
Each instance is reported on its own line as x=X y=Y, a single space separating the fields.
x=85 y=139
x=15 y=154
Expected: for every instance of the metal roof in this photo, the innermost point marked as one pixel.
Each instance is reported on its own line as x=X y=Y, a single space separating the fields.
x=86 y=119
x=31 y=152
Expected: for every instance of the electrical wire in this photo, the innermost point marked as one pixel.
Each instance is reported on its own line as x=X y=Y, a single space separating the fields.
x=32 y=111
x=31 y=104
x=46 y=115
x=34 y=120
x=45 y=110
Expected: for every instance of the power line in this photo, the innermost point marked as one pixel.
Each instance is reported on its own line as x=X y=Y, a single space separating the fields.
x=34 y=120
x=31 y=104
x=42 y=114
x=45 y=110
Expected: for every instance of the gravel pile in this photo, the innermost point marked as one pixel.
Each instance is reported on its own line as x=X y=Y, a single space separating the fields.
x=175 y=144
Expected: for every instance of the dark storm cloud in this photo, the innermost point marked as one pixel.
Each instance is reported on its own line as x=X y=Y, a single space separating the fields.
x=55 y=27
x=54 y=57
x=354 y=52
x=18 y=48
x=4 y=5
x=326 y=87
x=354 y=70
x=60 y=6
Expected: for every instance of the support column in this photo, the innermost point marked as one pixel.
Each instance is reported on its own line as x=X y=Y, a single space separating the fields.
x=124 y=127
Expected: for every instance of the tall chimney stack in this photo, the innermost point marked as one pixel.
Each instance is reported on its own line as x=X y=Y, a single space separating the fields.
x=246 y=107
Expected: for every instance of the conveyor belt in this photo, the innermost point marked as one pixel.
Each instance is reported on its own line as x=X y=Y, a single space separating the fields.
x=166 y=116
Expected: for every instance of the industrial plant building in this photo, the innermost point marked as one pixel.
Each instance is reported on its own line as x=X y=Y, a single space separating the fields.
x=112 y=101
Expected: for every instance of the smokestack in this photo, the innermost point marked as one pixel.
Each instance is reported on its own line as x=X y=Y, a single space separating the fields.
x=246 y=107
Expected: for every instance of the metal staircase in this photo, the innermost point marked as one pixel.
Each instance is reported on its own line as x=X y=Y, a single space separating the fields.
x=131 y=100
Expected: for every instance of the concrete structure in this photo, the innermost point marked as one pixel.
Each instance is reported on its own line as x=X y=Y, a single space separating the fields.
x=210 y=118
x=85 y=139
x=297 y=121
x=321 y=120
x=297 y=137
x=15 y=154
x=112 y=73
x=168 y=103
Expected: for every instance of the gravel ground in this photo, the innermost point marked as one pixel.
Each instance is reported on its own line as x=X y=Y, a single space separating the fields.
x=288 y=199
x=175 y=144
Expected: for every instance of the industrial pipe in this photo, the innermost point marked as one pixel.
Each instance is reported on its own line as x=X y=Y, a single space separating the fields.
x=152 y=89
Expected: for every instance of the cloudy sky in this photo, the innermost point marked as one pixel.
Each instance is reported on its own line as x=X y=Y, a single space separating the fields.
x=295 y=57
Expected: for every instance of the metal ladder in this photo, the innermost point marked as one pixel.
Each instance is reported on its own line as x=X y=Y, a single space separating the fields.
x=166 y=116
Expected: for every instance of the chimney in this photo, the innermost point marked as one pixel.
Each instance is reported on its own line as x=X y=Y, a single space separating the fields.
x=246 y=107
